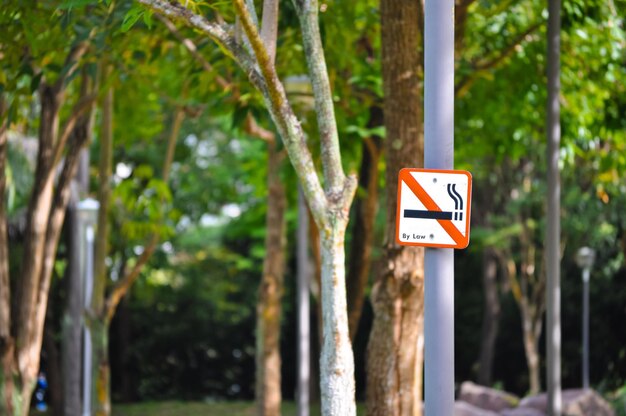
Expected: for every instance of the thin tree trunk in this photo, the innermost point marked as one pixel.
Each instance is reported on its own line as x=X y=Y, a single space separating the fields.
x=316 y=289
x=394 y=364
x=268 y=390
x=103 y=308
x=97 y=321
x=491 y=317
x=336 y=361
x=34 y=244
x=105 y=168
x=531 y=349
x=101 y=395
x=365 y=209
x=329 y=204
x=11 y=402
x=268 y=380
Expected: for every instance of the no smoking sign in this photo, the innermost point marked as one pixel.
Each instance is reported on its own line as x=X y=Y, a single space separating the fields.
x=433 y=208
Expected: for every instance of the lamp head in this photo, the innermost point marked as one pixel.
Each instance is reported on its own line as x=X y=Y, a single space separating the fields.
x=585 y=257
x=88 y=210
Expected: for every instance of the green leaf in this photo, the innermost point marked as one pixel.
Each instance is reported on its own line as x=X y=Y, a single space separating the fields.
x=147 y=19
x=131 y=18
x=35 y=81
x=144 y=172
x=70 y=4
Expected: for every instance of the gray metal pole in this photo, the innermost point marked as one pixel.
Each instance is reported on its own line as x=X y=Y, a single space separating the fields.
x=72 y=320
x=585 y=328
x=553 y=231
x=87 y=354
x=304 y=333
x=439 y=154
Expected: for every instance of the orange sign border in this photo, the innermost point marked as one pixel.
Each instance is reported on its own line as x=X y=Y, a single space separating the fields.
x=433 y=207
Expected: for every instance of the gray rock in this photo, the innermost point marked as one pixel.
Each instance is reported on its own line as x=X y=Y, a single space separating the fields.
x=487 y=398
x=522 y=411
x=466 y=409
x=576 y=402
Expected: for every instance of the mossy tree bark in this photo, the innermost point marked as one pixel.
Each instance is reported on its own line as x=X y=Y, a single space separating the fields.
x=365 y=209
x=268 y=362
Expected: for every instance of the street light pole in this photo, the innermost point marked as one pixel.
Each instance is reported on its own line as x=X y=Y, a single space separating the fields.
x=553 y=219
x=87 y=220
x=586 y=329
x=304 y=338
x=585 y=258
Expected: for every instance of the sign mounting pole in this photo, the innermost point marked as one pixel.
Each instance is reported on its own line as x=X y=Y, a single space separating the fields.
x=439 y=154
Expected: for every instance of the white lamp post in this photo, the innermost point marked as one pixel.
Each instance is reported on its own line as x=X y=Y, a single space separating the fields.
x=87 y=219
x=584 y=259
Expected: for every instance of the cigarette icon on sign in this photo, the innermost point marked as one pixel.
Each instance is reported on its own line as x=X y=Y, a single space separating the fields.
x=440 y=215
x=458 y=202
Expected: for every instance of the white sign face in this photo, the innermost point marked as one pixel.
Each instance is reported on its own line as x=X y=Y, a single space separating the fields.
x=434 y=208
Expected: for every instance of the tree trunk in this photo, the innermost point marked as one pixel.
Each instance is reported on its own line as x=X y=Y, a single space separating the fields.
x=365 y=209
x=336 y=361
x=21 y=335
x=98 y=323
x=100 y=393
x=268 y=364
x=531 y=348
x=394 y=363
x=46 y=213
x=329 y=204
x=316 y=314
x=491 y=317
x=28 y=340
x=11 y=402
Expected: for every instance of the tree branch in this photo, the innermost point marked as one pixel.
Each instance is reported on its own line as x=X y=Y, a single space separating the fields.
x=5 y=291
x=179 y=115
x=126 y=282
x=269 y=27
x=80 y=135
x=105 y=168
x=191 y=47
x=122 y=286
x=85 y=103
x=253 y=129
x=460 y=19
x=215 y=31
x=324 y=109
x=267 y=83
x=72 y=62
x=252 y=12
x=286 y=122
x=485 y=64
